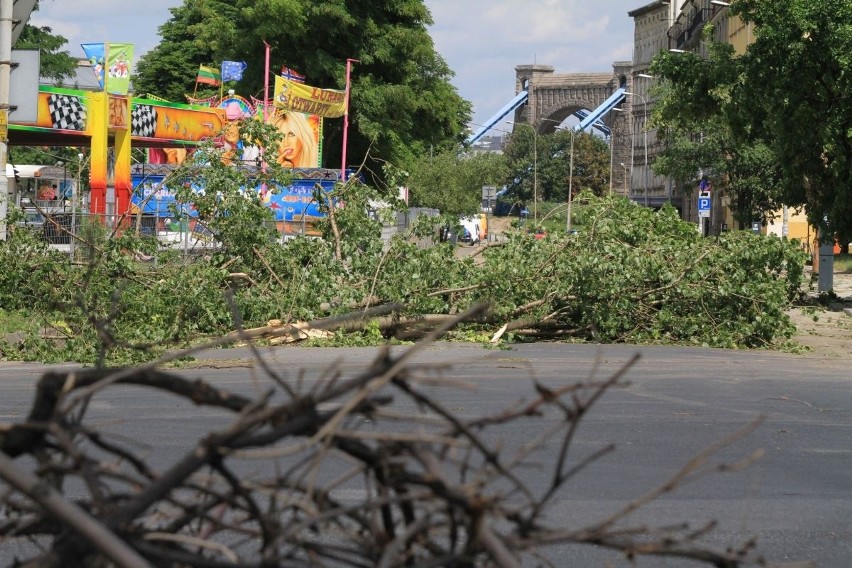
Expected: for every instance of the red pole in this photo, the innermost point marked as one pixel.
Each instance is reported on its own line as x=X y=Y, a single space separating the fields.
x=346 y=117
x=266 y=84
x=265 y=111
x=265 y=108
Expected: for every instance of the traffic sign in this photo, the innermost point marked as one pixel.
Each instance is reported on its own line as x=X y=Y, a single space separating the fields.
x=704 y=204
x=489 y=193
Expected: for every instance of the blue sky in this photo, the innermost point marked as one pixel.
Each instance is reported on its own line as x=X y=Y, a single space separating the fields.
x=481 y=40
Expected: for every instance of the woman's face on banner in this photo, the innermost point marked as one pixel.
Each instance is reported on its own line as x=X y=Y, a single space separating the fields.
x=290 y=148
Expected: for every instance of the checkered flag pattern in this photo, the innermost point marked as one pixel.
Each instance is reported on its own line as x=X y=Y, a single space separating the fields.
x=66 y=112
x=143 y=121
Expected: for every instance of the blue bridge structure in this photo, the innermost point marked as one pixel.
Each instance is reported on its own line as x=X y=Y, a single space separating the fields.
x=545 y=100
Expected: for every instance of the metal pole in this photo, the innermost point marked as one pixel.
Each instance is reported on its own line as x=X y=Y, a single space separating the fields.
x=266 y=82
x=74 y=192
x=346 y=118
x=645 y=137
x=632 y=150
x=535 y=177
x=645 y=129
x=157 y=228
x=185 y=223
x=611 y=151
x=6 y=7
x=570 y=185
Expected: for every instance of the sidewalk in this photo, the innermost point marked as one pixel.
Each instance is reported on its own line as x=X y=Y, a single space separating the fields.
x=842 y=285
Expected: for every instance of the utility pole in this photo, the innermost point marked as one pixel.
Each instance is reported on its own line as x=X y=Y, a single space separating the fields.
x=6 y=7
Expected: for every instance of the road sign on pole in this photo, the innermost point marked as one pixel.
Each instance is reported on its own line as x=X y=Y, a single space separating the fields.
x=489 y=192
x=704 y=204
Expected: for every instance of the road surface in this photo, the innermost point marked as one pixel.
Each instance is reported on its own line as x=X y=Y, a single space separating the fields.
x=796 y=501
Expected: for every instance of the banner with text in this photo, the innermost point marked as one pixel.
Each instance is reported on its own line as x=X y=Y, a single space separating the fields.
x=292 y=96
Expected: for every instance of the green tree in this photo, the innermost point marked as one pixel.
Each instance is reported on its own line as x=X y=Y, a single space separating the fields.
x=188 y=39
x=793 y=91
x=231 y=206
x=402 y=102
x=552 y=165
x=452 y=182
x=591 y=165
x=697 y=115
x=55 y=62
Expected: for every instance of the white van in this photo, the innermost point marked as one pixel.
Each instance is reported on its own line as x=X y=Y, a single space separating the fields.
x=471 y=231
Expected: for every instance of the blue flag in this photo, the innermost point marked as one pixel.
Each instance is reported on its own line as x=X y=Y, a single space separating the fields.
x=233 y=70
x=96 y=54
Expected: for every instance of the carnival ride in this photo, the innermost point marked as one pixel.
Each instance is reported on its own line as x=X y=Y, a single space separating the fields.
x=99 y=120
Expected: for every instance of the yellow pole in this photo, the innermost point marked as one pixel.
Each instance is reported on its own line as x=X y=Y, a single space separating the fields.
x=98 y=130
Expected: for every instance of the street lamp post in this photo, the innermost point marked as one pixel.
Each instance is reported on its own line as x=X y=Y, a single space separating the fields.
x=612 y=152
x=535 y=177
x=535 y=167
x=667 y=181
x=570 y=186
x=570 y=175
x=535 y=162
x=645 y=137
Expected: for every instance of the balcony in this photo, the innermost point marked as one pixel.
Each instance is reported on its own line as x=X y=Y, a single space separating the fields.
x=686 y=31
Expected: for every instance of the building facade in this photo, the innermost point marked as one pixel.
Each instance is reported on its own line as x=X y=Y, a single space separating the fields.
x=652 y=24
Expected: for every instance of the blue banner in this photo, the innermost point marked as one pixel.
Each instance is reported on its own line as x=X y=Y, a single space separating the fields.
x=290 y=203
x=96 y=54
x=233 y=70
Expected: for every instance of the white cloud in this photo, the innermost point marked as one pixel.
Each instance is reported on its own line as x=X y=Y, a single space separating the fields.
x=481 y=40
x=94 y=21
x=484 y=40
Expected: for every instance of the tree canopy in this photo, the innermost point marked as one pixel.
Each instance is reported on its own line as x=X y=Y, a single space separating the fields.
x=795 y=91
x=696 y=116
x=55 y=63
x=545 y=160
x=402 y=103
x=786 y=101
x=452 y=182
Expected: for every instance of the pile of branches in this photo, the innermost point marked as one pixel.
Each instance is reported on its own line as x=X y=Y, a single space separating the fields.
x=333 y=472
x=631 y=275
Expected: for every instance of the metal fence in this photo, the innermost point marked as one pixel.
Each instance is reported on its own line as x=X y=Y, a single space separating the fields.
x=72 y=232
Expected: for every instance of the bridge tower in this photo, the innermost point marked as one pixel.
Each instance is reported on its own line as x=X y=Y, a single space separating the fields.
x=553 y=97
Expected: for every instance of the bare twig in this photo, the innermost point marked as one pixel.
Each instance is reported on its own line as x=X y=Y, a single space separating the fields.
x=70 y=514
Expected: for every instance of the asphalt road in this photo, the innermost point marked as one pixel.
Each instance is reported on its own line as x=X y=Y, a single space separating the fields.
x=796 y=501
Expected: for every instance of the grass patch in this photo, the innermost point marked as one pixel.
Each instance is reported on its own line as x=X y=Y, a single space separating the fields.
x=843 y=263
x=13 y=321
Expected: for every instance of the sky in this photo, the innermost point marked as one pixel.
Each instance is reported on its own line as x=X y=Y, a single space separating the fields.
x=481 y=40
